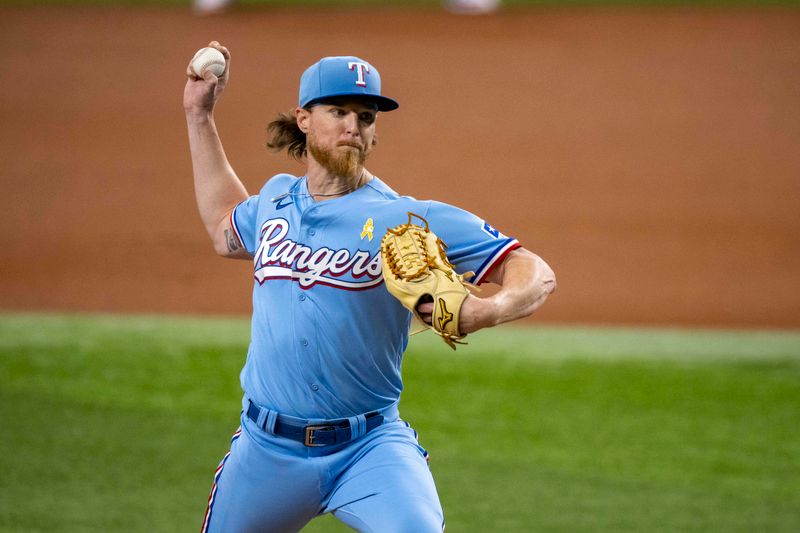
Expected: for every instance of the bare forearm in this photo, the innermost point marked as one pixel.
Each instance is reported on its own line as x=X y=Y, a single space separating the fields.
x=217 y=188
x=526 y=282
x=522 y=293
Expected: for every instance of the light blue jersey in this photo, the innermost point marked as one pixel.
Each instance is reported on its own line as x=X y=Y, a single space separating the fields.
x=320 y=431
x=327 y=337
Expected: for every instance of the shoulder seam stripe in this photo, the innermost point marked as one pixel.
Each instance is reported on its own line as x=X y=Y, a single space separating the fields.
x=494 y=260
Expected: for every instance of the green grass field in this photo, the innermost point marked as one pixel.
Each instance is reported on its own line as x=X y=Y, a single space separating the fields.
x=116 y=424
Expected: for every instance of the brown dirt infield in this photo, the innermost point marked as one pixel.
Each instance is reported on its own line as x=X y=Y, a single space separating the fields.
x=651 y=156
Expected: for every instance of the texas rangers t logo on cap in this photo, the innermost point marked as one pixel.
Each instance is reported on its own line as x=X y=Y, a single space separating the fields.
x=361 y=68
x=333 y=77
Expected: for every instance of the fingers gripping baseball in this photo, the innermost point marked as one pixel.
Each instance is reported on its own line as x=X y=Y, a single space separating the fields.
x=204 y=88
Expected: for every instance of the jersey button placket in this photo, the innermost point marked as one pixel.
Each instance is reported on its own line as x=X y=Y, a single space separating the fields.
x=306 y=313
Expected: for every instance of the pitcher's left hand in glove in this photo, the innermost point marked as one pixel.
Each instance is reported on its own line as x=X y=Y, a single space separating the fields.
x=416 y=270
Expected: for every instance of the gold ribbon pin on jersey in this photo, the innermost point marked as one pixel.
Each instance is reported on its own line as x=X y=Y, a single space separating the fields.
x=369 y=227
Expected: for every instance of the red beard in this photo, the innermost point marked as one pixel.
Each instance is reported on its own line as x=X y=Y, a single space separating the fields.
x=345 y=162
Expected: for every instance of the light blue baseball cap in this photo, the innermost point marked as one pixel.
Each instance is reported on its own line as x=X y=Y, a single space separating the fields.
x=343 y=76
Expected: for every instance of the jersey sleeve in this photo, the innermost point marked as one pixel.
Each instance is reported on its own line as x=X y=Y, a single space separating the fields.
x=244 y=220
x=472 y=243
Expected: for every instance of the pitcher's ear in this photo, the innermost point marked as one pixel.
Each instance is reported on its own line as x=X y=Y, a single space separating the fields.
x=302 y=116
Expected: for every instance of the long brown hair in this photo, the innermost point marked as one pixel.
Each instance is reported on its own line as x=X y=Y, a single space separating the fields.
x=283 y=132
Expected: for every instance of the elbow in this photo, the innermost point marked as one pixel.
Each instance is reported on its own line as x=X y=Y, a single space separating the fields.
x=549 y=280
x=546 y=278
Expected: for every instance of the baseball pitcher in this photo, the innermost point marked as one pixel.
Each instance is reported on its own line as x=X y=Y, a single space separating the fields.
x=341 y=264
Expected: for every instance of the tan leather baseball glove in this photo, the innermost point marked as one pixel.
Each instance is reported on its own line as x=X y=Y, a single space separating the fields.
x=416 y=270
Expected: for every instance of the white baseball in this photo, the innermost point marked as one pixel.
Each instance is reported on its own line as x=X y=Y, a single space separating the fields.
x=208 y=58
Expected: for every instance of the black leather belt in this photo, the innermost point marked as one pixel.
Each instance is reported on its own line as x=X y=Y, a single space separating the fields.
x=312 y=435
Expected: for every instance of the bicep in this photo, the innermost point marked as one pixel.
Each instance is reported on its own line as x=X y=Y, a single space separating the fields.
x=227 y=242
x=517 y=263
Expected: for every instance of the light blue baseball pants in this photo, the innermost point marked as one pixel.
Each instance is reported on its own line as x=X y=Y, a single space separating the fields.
x=378 y=483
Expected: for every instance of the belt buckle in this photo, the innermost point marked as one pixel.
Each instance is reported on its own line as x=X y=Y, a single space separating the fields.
x=310 y=435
